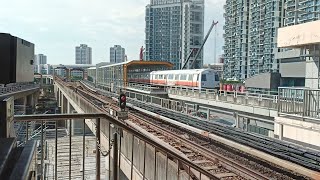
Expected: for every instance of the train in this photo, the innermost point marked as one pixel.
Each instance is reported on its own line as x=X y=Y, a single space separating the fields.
x=195 y=78
x=153 y=73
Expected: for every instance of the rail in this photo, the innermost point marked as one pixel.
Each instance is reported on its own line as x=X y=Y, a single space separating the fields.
x=115 y=132
x=299 y=102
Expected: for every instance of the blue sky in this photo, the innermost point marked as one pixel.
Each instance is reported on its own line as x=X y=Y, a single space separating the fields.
x=56 y=27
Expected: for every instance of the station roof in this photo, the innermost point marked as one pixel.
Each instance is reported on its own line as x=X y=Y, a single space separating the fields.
x=139 y=63
x=73 y=66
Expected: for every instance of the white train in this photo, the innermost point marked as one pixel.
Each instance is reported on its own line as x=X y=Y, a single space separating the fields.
x=195 y=78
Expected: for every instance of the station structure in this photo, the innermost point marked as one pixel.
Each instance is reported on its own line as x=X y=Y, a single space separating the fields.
x=113 y=76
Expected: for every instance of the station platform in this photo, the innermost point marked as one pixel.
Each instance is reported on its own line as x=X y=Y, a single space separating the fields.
x=147 y=89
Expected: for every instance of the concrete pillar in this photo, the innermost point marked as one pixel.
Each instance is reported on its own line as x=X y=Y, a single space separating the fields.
x=246 y=122
x=6 y=117
x=64 y=107
x=208 y=114
x=22 y=103
x=187 y=108
x=237 y=120
x=30 y=103
x=60 y=99
x=280 y=131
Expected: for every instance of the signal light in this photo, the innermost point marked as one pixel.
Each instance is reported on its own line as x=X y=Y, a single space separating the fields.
x=122 y=101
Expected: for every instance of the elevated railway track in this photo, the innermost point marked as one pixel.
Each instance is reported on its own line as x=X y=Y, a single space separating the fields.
x=220 y=160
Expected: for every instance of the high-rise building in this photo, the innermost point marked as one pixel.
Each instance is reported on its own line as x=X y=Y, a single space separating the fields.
x=173 y=29
x=299 y=65
x=117 y=54
x=83 y=54
x=251 y=37
x=40 y=59
x=43 y=69
x=301 y=11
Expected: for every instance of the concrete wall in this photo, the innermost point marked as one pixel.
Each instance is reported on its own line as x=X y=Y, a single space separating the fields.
x=312 y=73
x=299 y=35
x=297 y=131
x=16 y=55
x=264 y=81
x=293 y=69
x=24 y=62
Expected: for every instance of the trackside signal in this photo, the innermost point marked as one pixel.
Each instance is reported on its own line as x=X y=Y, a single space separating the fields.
x=122 y=101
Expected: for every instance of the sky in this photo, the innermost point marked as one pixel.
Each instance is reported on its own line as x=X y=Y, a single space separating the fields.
x=57 y=27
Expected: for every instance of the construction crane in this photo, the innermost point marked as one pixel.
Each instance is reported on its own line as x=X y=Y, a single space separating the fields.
x=199 y=51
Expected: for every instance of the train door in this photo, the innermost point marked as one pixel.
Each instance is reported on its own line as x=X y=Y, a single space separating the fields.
x=204 y=80
x=170 y=80
x=216 y=80
x=208 y=80
x=152 y=78
x=190 y=80
x=195 y=80
x=177 y=79
x=165 y=77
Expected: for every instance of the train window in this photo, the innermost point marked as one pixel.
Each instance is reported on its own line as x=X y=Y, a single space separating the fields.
x=204 y=77
x=183 y=77
x=177 y=77
x=197 y=77
x=157 y=77
x=216 y=77
x=190 y=77
x=170 y=76
x=161 y=76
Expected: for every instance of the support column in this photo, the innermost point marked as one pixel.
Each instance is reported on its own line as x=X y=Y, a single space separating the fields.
x=187 y=108
x=30 y=103
x=208 y=114
x=280 y=131
x=6 y=120
x=237 y=121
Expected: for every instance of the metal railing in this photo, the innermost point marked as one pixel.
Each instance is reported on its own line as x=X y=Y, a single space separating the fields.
x=251 y=99
x=268 y=100
x=11 y=88
x=126 y=149
x=146 y=87
x=300 y=102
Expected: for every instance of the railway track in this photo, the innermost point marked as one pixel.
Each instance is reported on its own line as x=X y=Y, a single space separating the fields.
x=202 y=151
x=216 y=164
x=301 y=156
x=307 y=158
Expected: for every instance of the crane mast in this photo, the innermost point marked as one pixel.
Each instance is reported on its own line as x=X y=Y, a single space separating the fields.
x=199 y=51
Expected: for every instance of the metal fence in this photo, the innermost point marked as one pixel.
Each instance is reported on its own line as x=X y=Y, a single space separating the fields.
x=300 y=102
x=251 y=99
x=11 y=88
x=135 y=154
